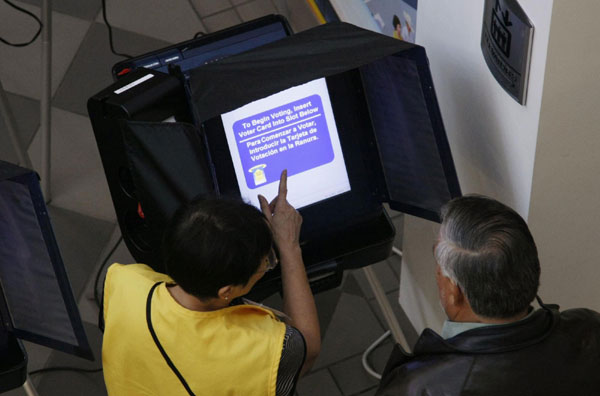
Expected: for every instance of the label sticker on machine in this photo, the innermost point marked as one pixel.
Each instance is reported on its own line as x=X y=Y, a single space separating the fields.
x=134 y=83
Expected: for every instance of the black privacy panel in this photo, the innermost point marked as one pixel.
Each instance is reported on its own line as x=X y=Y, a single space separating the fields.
x=36 y=290
x=415 y=155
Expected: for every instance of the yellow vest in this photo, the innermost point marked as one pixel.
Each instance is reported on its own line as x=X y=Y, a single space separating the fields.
x=231 y=351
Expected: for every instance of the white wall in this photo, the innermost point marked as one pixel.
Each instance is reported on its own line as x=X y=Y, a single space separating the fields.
x=565 y=200
x=492 y=137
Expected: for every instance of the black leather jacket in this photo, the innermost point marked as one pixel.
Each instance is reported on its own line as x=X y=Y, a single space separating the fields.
x=548 y=353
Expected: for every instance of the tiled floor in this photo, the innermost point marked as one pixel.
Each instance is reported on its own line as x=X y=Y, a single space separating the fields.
x=350 y=321
x=81 y=209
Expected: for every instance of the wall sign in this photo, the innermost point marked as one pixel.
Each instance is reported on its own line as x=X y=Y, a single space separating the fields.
x=506 y=41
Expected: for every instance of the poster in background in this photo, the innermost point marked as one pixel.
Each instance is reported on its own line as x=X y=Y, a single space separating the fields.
x=397 y=18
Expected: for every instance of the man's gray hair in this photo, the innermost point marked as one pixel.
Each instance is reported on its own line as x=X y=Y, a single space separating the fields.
x=486 y=248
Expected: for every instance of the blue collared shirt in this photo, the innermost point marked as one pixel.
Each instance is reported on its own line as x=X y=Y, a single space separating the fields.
x=451 y=329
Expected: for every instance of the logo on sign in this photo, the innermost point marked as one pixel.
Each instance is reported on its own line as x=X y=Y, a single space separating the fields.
x=506 y=41
x=259 y=174
x=499 y=29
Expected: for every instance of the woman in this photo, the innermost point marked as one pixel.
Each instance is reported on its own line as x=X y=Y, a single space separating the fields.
x=179 y=333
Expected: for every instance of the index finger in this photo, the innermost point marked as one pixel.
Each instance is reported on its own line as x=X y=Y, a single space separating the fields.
x=283 y=185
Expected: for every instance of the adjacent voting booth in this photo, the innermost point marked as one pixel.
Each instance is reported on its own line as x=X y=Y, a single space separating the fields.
x=36 y=301
x=351 y=114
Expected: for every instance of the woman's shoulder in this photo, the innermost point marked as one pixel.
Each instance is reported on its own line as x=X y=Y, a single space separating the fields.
x=256 y=318
x=129 y=272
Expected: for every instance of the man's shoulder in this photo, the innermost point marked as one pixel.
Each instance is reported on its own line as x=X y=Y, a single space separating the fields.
x=579 y=323
x=581 y=315
x=502 y=352
x=428 y=374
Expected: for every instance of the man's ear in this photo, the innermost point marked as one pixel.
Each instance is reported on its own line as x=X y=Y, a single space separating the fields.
x=451 y=296
x=225 y=292
x=455 y=293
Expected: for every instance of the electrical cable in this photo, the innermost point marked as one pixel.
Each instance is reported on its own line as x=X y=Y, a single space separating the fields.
x=110 y=34
x=40 y=25
x=365 y=356
x=370 y=349
x=64 y=368
x=101 y=269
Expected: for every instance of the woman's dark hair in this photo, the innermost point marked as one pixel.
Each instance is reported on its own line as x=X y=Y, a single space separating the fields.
x=396 y=21
x=211 y=243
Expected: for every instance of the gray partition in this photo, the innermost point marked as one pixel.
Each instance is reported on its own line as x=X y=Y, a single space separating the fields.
x=36 y=303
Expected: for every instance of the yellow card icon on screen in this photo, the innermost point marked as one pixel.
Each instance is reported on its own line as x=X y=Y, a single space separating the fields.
x=259 y=174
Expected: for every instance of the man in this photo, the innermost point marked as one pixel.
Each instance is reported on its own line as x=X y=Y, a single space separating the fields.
x=494 y=342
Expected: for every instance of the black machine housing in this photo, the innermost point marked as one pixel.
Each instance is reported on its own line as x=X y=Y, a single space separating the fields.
x=395 y=150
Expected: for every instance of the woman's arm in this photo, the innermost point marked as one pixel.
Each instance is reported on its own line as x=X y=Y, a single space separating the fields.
x=298 y=301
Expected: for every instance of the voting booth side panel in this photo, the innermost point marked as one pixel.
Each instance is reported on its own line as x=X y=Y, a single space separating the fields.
x=37 y=300
x=13 y=357
x=168 y=165
x=419 y=172
x=142 y=95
